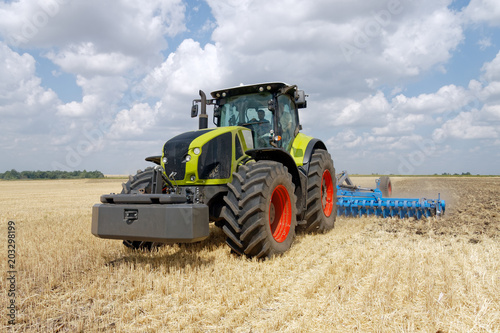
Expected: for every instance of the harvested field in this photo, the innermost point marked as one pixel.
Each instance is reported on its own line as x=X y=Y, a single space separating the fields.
x=366 y=275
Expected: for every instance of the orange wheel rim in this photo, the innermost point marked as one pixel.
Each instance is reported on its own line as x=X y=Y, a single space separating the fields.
x=280 y=213
x=327 y=193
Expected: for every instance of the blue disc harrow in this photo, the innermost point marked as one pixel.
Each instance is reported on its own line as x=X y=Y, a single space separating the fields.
x=355 y=201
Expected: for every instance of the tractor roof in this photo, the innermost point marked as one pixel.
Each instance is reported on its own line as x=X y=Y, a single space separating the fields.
x=253 y=88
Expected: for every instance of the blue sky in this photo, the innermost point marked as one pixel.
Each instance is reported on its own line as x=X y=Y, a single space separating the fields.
x=395 y=86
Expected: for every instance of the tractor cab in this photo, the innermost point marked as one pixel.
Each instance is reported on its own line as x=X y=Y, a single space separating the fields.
x=250 y=111
x=268 y=110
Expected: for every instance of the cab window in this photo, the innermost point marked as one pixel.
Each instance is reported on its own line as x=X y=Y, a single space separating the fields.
x=287 y=124
x=250 y=111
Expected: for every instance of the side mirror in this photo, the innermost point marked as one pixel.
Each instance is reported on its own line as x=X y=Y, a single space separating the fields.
x=217 y=115
x=216 y=111
x=300 y=99
x=194 y=110
x=270 y=105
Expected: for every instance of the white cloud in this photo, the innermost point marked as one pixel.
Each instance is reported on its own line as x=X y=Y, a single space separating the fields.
x=467 y=125
x=397 y=125
x=490 y=93
x=483 y=11
x=371 y=110
x=484 y=43
x=446 y=99
x=349 y=140
x=129 y=27
x=423 y=41
x=101 y=94
x=132 y=123
x=85 y=60
x=401 y=115
x=481 y=118
x=491 y=113
x=75 y=109
x=492 y=69
x=27 y=109
x=21 y=93
x=388 y=39
x=186 y=70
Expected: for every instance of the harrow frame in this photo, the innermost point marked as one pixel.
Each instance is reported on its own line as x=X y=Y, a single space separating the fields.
x=356 y=201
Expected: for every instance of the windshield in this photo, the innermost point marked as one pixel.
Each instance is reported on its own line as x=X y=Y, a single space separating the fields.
x=250 y=111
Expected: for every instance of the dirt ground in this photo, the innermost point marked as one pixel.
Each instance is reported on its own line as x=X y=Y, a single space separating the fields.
x=472 y=207
x=366 y=275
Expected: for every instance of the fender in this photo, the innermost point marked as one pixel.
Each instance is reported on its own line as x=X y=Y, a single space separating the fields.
x=311 y=146
x=302 y=149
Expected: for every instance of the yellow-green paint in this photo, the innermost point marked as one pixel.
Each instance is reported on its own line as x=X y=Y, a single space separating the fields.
x=297 y=151
x=299 y=146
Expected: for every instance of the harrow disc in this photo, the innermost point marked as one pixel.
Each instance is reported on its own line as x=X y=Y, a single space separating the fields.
x=385 y=207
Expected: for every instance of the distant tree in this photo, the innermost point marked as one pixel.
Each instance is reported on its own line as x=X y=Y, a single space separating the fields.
x=12 y=174
x=28 y=175
x=58 y=174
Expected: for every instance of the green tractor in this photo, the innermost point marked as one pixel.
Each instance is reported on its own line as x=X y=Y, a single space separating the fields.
x=254 y=174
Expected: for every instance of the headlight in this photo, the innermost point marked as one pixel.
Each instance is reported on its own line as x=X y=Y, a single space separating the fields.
x=187 y=158
x=165 y=159
x=196 y=151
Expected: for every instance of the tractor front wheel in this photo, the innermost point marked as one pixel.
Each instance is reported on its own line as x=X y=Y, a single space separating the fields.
x=260 y=210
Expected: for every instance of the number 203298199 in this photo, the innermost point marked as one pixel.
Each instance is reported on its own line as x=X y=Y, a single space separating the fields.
x=11 y=245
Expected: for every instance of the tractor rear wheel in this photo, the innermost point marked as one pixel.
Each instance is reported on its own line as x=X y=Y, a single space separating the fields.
x=321 y=193
x=139 y=184
x=260 y=210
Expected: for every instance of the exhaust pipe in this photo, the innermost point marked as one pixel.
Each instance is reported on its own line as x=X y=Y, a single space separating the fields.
x=203 y=123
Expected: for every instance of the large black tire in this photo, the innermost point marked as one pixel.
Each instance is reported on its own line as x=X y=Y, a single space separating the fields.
x=321 y=193
x=141 y=245
x=260 y=210
x=386 y=186
x=139 y=184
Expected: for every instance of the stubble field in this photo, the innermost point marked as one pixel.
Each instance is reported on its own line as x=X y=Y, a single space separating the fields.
x=366 y=275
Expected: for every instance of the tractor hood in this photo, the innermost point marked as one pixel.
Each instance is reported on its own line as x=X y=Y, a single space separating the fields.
x=205 y=156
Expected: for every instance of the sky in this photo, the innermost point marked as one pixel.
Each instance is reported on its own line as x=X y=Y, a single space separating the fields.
x=394 y=86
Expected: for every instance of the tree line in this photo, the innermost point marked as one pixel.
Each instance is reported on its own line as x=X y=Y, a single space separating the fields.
x=58 y=174
x=455 y=174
